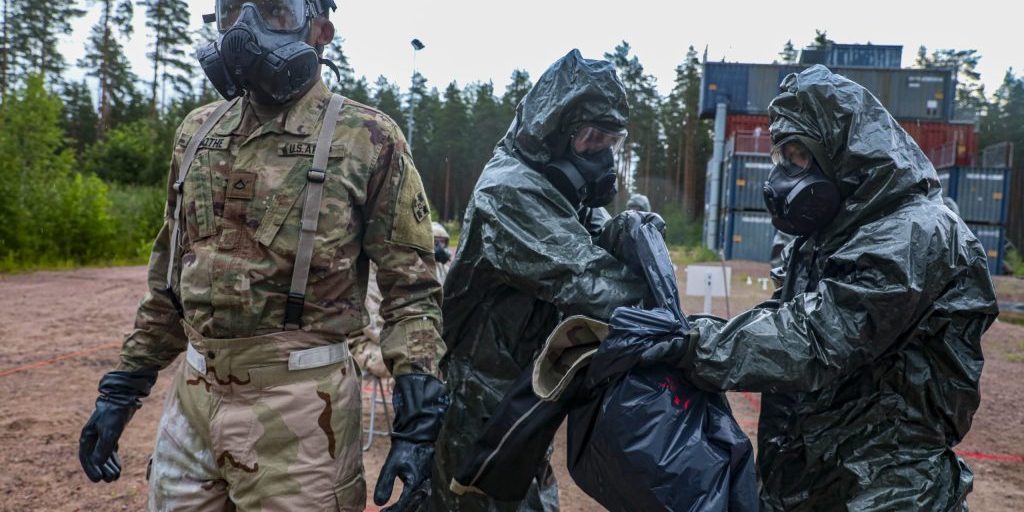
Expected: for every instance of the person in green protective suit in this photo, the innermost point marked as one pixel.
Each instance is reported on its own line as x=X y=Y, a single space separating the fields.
x=869 y=357
x=531 y=252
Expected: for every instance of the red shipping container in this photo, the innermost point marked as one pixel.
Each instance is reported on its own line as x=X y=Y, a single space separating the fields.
x=745 y=123
x=959 y=140
x=954 y=144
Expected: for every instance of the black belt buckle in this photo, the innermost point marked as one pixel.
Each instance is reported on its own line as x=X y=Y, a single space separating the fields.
x=293 y=311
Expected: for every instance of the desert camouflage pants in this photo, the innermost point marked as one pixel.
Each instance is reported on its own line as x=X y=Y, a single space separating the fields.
x=249 y=434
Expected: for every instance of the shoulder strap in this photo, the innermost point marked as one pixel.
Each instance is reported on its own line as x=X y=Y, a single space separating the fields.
x=179 y=185
x=310 y=214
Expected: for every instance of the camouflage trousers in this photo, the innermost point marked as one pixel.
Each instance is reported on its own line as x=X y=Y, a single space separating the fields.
x=261 y=429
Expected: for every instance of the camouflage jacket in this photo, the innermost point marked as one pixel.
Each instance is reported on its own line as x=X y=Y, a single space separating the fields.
x=242 y=205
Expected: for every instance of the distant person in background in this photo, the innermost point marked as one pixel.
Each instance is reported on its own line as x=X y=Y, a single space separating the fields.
x=638 y=202
x=442 y=253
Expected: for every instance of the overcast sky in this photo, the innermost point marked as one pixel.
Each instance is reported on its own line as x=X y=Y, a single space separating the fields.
x=471 y=40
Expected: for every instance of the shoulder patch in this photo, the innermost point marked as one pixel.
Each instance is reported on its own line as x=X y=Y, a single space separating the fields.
x=411 y=217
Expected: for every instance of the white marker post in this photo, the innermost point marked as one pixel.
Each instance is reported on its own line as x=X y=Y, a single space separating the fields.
x=708 y=281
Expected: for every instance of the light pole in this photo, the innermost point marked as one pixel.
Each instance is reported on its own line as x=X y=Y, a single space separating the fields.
x=417 y=45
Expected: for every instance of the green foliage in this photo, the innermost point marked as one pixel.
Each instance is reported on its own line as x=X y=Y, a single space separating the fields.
x=1016 y=262
x=138 y=212
x=680 y=228
x=50 y=212
x=127 y=155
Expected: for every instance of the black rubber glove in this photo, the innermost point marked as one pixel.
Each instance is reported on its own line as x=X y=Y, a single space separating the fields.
x=619 y=236
x=638 y=338
x=120 y=394
x=420 y=403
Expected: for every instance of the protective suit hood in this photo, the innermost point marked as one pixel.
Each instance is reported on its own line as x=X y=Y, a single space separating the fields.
x=572 y=91
x=876 y=164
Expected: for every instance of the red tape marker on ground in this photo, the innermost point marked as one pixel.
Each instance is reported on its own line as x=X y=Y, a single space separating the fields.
x=992 y=457
x=48 y=362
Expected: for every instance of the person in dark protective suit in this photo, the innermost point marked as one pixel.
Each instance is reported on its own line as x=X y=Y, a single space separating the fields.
x=869 y=358
x=528 y=256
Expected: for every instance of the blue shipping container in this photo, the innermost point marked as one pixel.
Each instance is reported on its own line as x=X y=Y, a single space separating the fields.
x=865 y=56
x=947 y=178
x=993 y=239
x=749 y=236
x=728 y=84
x=745 y=181
x=982 y=194
x=908 y=94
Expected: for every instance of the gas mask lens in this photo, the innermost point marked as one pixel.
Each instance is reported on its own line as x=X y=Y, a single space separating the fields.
x=793 y=156
x=591 y=139
x=277 y=15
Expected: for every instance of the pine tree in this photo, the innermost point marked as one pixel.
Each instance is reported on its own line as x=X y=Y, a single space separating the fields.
x=80 y=118
x=5 y=44
x=788 y=55
x=489 y=124
x=168 y=21
x=515 y=91
x=644 y=146
x=821 y=40
x=32 y=30
x=105 y=60
x=450 y=137
x=388 y=99
x=342 y=80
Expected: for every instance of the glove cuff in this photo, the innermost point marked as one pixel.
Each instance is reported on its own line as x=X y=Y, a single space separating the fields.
x=420 y=402
x=127 y=388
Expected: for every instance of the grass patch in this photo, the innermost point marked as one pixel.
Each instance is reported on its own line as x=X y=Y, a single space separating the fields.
x=683 y=255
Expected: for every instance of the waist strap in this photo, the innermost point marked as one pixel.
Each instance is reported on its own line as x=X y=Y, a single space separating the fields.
x=316 y=357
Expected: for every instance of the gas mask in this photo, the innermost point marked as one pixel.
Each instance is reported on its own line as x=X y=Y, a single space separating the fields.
x=263 y=49
x=586 y=176
x=799 y=195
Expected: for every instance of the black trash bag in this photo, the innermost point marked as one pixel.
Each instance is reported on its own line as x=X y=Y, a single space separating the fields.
x=652 y=440
x=639 y=438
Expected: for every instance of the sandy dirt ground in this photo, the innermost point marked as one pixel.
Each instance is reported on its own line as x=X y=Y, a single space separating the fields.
x=59 y=332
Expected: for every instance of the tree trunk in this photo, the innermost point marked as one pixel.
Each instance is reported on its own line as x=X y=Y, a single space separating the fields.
x=6 y=50
x=692 y=195
x=447 y=186
x=104 y=78
x=156 y=60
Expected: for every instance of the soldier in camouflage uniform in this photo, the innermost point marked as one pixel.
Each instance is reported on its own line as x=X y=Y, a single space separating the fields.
x=265 y=415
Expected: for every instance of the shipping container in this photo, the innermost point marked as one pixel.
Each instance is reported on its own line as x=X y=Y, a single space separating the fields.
x=915 y=94
x=745 y=177
x=947 y=178
x=983 y=194
x=865 y=56
x=749 y=236
x=993 y=239
x=933 y=138
x=745 y=123
x=728 y=85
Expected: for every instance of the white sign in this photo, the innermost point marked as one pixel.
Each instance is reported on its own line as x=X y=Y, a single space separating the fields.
x=699 y=276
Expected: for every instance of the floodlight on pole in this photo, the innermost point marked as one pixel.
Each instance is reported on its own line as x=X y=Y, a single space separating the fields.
x=417 y=45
